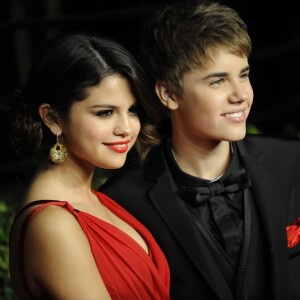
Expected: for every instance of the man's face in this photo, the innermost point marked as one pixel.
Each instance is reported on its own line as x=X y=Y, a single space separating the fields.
x=216 y=102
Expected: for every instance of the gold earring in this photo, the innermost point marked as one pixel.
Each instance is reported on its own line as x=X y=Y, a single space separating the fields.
x=58 y=152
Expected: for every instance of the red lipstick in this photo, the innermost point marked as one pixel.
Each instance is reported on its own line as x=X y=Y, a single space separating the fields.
x=120 y=147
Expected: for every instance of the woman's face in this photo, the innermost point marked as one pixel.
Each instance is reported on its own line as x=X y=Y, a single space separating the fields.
x=103 y=127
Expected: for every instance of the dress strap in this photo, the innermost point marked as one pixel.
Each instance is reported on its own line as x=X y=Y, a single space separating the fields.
x=30 y=205
x=22 y=237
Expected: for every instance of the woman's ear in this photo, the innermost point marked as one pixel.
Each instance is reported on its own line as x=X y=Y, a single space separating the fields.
x=166 y=96
x=50 y=119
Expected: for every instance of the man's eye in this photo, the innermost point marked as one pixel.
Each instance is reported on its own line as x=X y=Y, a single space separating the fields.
x=245 y=75
x=217 y=82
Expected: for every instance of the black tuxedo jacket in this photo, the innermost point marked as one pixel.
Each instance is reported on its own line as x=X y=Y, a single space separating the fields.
x=271 y=269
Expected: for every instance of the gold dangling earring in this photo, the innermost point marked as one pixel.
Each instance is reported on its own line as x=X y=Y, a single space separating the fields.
x=58 y=152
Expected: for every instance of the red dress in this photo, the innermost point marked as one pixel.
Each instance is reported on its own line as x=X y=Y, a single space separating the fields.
x=127 y=271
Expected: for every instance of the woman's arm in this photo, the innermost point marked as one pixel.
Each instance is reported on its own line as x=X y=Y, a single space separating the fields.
x=58 y=258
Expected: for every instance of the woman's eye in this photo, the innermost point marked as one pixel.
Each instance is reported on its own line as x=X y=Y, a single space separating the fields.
x=104 y=113
x=134 y=110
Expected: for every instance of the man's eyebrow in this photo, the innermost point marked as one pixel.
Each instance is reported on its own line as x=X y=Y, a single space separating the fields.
x=216 y=75
x=246 y=69
x=224 y=74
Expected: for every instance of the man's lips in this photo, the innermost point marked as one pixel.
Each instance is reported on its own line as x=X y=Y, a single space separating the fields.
x=236 y=116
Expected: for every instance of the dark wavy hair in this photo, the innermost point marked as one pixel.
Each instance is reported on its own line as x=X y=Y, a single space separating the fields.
x=70 y=65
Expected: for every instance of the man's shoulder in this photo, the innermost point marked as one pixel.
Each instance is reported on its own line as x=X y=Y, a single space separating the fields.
x=283 y=148
x=270 y=140
x=125 y=185
x=136 y=176
x=128 y=172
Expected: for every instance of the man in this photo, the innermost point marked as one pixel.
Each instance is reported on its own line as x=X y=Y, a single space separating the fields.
x=221 y=205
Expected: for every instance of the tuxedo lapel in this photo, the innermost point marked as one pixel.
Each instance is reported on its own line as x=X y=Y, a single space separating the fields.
x=267 y=196
x=165 y=198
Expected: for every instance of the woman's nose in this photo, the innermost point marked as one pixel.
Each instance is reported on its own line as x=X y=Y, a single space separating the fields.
x=123 y=126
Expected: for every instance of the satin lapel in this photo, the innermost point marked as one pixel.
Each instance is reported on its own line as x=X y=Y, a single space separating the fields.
x=267 y=197
x=165 y=198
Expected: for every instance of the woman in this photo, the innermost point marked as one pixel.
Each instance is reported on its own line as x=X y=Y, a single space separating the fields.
x=82 y=108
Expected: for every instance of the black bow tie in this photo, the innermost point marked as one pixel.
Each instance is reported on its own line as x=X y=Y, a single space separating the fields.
x=237 y=181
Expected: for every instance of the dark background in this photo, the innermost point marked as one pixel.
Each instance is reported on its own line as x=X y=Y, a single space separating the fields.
x=25 y=25
x=274 y=27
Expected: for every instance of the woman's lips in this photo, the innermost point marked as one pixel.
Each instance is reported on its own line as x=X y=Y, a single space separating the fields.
x=120 y=147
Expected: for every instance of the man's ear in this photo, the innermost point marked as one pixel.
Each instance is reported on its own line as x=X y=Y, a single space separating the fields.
x=50 y=119
x=166 y=96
